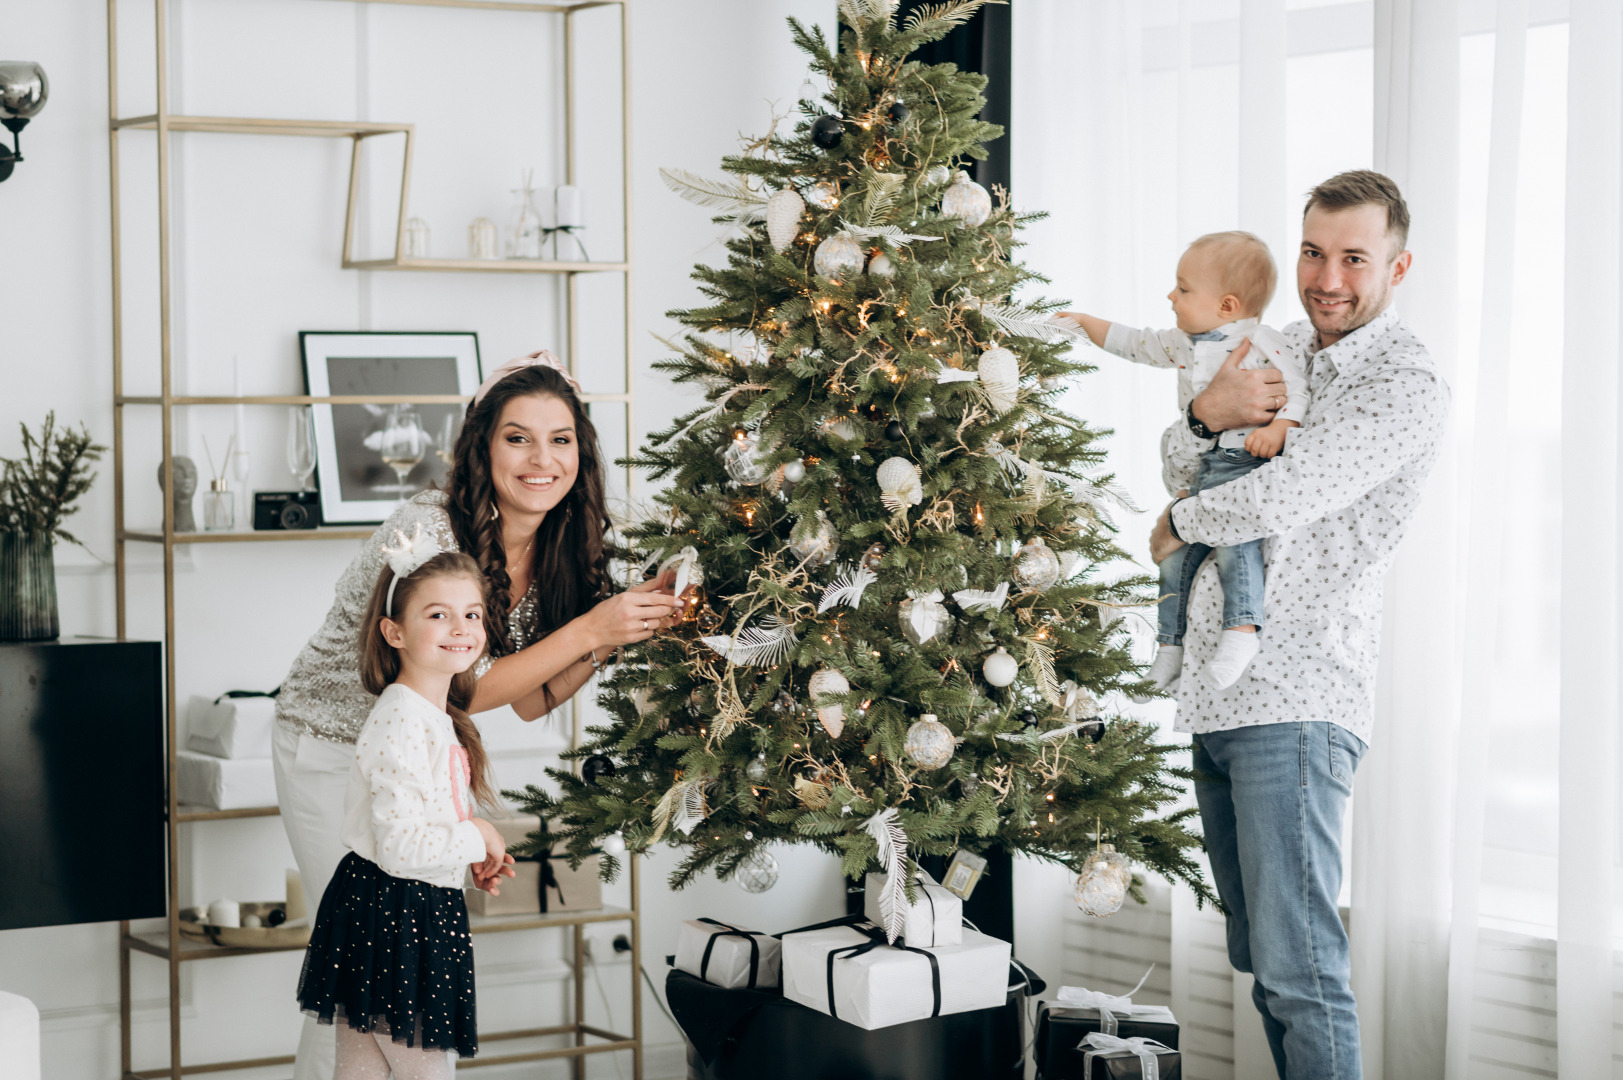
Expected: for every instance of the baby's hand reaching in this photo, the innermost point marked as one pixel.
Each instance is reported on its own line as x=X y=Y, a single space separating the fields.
x=1266 y=442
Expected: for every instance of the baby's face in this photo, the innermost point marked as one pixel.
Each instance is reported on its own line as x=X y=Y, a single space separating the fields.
x=1197 y=298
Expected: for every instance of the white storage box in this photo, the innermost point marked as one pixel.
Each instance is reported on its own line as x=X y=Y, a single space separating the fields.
x=237 y=727
x=224 y=784
x=722 y=954
x=935 y=919
x=880 y=986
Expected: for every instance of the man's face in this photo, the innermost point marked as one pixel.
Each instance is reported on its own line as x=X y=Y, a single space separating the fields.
x=1347 y=268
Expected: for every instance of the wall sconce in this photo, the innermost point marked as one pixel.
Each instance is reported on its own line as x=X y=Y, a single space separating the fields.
x=23 y=90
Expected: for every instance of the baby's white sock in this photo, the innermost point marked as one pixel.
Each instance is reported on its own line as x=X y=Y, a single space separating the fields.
x=1235 y=649
x=1164 y=670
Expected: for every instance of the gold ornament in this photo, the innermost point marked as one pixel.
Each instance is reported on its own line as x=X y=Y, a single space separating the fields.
x=929 y=742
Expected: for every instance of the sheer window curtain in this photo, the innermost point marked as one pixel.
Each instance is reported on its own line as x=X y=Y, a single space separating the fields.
x=1142 y=125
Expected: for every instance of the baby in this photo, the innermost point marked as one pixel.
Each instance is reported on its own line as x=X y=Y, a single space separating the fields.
x=1225 y=280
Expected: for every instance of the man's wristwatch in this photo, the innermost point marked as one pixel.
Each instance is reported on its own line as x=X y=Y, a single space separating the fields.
x=1201 y=431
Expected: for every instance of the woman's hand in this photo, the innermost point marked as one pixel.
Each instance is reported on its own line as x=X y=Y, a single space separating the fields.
x=634 y=615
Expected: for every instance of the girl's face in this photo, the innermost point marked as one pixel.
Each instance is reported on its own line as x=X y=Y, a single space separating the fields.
x=442 y=627
x=534 y=456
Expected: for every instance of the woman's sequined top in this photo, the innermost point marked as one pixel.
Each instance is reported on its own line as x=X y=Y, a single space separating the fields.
x=322 y=694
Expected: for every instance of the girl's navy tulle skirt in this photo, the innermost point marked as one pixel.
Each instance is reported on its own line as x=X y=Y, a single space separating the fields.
x=394 y=951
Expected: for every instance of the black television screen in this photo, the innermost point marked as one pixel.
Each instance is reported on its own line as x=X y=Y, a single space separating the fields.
x=81 y=782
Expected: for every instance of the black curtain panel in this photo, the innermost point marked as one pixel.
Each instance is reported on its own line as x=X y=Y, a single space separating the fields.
x=981 y=45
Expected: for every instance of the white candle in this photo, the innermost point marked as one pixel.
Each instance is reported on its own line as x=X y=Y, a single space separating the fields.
x=568 y=201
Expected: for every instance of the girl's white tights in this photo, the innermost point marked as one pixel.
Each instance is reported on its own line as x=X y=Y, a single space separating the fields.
x=374 y=1055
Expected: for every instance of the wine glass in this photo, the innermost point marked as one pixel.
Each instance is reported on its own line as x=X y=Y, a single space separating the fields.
x=402 y=443
x=446 y=443
x=301 y=454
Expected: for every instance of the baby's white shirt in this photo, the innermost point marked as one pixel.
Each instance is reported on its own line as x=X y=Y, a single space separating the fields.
x=1198 y=361
x=401 y=810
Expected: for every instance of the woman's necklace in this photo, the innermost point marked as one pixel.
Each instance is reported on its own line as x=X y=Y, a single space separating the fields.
x=520 y=561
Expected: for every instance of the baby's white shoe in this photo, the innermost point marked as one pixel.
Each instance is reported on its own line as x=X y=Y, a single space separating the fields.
x=1235 y=650
x=1164 y=671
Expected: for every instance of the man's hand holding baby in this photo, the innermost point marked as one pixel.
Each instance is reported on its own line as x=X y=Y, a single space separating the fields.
x=1240 y=397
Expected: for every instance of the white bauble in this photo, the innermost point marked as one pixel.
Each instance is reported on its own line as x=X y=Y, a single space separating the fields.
x=757 y=872
x=839 y=255
x=1036 y=567
x=929 y=742
x=1000 y=668
x=999 y=371
x=614 y=845
x=828 y=682
x=967 y=201
x=742 y=461
x=823 y=195
x=1102 y=886
x=937 y=174
x=783 y=212
x=880 y=266
x=814 y=541
x=900 y=483
x=845 y=428
x=794 y=471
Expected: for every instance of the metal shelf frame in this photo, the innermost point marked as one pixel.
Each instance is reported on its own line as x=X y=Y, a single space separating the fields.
x=168 y=945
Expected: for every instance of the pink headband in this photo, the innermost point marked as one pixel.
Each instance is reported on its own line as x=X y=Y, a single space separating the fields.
x=540 y=358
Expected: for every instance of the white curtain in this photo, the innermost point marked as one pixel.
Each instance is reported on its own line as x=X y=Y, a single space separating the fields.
x=1485 y=826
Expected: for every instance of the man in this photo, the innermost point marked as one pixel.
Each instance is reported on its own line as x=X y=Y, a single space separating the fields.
x=1275 y=753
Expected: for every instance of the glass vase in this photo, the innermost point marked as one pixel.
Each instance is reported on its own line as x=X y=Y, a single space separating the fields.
x=527 y=235
x=28 y=588
x=219 y=508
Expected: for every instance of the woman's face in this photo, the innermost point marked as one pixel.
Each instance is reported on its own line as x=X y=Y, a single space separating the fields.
x=534 y=455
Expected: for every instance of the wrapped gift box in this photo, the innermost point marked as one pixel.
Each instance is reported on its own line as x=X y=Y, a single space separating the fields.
x=231 y=727
x=1061 y=1031
x=725 y=955
x=876 y=985
x=934 y=919
x=523 y=894
x=1106 y=1064
x=224 y=783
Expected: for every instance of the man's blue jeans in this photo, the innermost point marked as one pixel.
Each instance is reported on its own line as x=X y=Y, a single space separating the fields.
x=1271 y=799
x=1239 y=568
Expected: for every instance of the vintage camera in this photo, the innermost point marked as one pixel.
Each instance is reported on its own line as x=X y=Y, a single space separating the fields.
x=287 y=509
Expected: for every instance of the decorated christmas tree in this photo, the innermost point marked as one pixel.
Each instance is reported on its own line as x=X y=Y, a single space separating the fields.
x=905 y=591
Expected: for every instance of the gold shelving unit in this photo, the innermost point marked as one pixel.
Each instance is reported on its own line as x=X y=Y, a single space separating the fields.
x=168 y=945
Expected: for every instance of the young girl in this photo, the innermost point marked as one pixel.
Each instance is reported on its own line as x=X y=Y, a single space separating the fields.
x=390 y=956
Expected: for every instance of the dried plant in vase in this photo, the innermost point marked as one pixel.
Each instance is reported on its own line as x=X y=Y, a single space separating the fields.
x=38 y=491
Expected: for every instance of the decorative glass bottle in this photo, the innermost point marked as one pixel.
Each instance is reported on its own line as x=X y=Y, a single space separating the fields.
x=219 y=507
x=527 y=234
x=482 y=239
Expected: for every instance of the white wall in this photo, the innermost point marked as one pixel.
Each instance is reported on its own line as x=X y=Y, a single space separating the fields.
x=257 y=229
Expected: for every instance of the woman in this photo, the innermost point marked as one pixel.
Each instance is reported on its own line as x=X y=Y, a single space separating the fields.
x=525 y=499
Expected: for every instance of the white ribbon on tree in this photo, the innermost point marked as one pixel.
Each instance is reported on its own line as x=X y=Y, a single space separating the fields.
x=1080 y=997
x=1099 y=1043
x=686 y=565
x=925 y=614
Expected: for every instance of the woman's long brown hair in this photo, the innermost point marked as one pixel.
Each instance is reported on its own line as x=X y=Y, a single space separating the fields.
x=380 y=661
x=570 y=559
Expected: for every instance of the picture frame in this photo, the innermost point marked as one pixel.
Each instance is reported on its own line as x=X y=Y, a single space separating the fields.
x=359 y=481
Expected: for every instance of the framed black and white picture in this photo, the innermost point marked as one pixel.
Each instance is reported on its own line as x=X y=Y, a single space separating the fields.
x=371 y=458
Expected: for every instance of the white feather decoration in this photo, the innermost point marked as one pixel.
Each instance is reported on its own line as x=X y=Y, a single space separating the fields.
x=892 y=842
x=900 y=484
x=783 y=212
x=846 y=589
x=952 y=375
x=977 y=600
x=889 y=232
x=692 y=811
x=1027 y=322
x=1000 y=375
x=743 y=203
x=766 y=645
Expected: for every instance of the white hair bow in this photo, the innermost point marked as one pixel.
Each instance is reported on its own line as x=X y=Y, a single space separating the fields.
x=406 y=556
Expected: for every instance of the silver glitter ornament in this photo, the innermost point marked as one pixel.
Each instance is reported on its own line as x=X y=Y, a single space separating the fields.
x=929 y=742
x=839 y=255
x=1102 y=886
x=967 y=201
x=937 y=174
x=757 y=873
x=814 y=541
x=757 y=771
x=742 y=460
x=823 y=195
x=1036 y=567
x=970 y=784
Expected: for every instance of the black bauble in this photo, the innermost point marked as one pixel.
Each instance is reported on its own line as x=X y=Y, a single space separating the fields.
x=893 y=431
x=827 y=131
x=595 y=767
x=898 y=112
x=1028 y=718
x=1094 y=732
